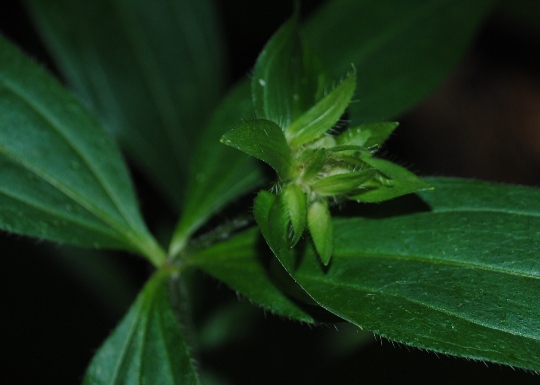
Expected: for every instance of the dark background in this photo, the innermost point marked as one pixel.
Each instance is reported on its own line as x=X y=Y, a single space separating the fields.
x=483 y=122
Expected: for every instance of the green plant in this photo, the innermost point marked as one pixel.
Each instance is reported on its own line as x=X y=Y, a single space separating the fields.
x=460 y=278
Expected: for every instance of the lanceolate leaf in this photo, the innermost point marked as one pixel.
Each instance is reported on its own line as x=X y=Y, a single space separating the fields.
x=219 y=173
x=151 y=70
x=61 y=176
x=322 y=116
x=396 y=181
x=148 y=347
x=402 y=50
x=462 y=282
x=342 y=183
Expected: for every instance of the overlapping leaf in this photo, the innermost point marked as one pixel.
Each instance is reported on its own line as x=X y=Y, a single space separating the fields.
x=61 y=176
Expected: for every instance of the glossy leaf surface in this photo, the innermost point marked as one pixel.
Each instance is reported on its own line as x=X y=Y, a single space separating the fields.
x=61 y=176
x=401 y=50
x=219 y=173
x=148 y=347
x=462 y=280
x=151 y=70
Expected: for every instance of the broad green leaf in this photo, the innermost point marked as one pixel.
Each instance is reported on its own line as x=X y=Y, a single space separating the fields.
x=295 y=202
x=148 y=347
x=320 y=228
x=402 y=50
x=287 y=79
x=61 y=176
x=397 y=181
x=322 y=116
x=463 y=282
x=262 y=139
x=151 y=70
x=367 y=135
x=218 y=173
x=238 y=263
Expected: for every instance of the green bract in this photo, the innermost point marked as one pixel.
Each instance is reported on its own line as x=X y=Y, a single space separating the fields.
x=298 y=113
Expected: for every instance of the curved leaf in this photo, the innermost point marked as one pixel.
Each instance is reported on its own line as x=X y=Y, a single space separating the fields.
x=461 y=282
x=151 y=70
x=61 y=176
x=401 y=50
x=148 y=347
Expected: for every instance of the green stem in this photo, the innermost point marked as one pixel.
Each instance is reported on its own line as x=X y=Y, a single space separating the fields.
x=153 y=252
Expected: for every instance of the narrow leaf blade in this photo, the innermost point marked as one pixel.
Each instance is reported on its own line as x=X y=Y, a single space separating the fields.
x=396 y=181
x=343 y=183
x=61 y=176
x=147 y=347
x=322 y=116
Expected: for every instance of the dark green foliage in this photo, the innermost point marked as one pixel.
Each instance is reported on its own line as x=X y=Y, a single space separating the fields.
x=460 y=277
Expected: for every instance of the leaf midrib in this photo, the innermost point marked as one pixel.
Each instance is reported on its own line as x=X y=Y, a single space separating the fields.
x=319 y=281
x=58 y=214
x=432 y=260
x=494 y=210
x=117 y=226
